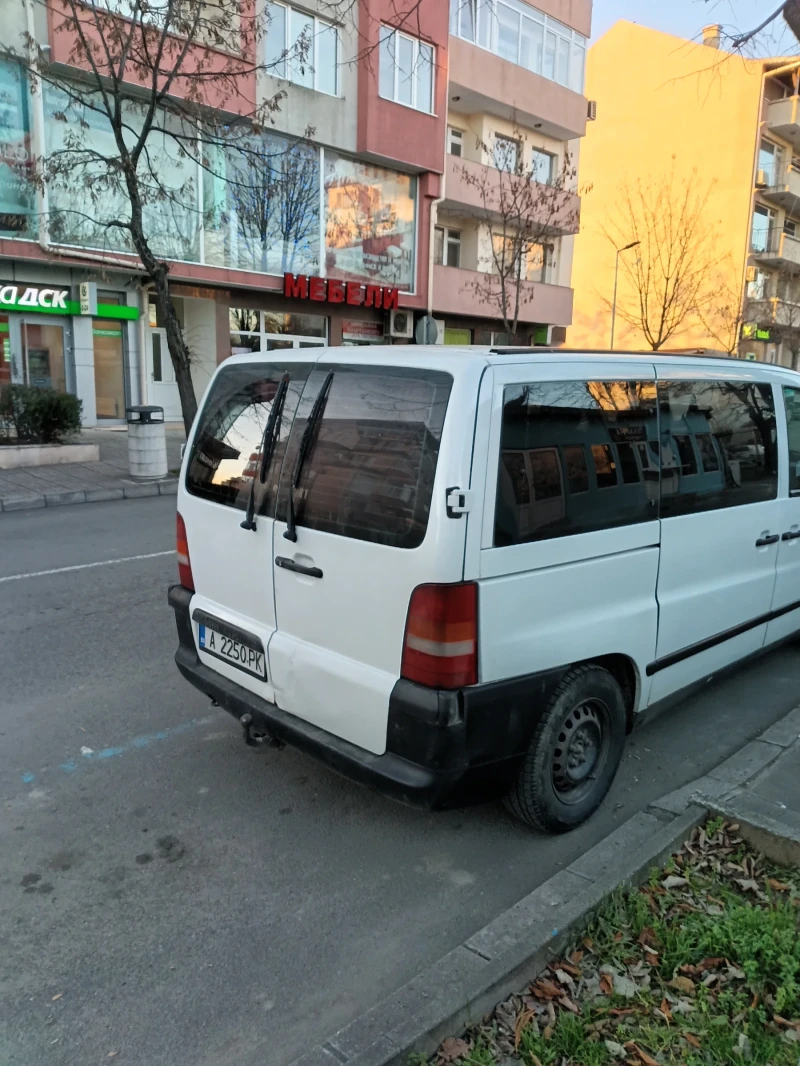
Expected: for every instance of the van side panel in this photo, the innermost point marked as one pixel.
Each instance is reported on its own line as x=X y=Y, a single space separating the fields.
x=535 y=621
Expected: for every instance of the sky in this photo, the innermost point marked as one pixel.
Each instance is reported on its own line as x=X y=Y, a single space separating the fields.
x=685 y=18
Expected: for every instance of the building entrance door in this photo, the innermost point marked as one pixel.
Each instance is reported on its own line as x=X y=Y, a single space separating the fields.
x=162 y=387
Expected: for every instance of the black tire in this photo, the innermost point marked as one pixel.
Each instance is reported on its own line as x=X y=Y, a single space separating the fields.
x=586 y=718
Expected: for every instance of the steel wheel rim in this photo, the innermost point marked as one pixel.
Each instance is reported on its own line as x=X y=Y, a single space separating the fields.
x=581 y=750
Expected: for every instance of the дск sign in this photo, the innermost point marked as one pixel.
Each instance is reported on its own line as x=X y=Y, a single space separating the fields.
x=32 y=298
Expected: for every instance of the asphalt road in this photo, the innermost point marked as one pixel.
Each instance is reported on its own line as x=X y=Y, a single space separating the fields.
x=169 y=895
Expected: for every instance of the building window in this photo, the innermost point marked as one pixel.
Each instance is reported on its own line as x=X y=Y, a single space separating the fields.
x=505 y=153
x=790 y=227
x=302 y=49
x=520 y=34
x=447 y=246
x=767 y=164
x=757 y=288
x=544 y=167
x=267 y=331
x=17 y=191
x=536 y=258
x=455 y=141
x=763 y=223
x=406 y=70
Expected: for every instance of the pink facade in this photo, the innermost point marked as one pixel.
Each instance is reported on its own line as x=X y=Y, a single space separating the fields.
x=472 y=294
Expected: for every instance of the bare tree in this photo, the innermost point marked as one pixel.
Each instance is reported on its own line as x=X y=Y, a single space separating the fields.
x=775 y=20
x=670 y=278
x=526 y=204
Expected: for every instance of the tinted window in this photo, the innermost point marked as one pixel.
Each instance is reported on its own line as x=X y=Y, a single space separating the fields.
x=732 y=425
x=791 y=398
x=226 y=451
x=567 y=461
x=370 y=472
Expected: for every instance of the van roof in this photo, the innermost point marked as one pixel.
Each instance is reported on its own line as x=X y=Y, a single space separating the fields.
x=438 y=356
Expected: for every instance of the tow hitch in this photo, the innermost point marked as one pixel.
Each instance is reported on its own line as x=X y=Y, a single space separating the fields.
x=257 y=738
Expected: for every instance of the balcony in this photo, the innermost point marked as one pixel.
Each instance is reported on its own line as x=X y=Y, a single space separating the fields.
x=475 y=189
x=775 y=248
x=783 y=118
x=774 y=311
x=486 y=84
x=780 y=185
x=466 y=292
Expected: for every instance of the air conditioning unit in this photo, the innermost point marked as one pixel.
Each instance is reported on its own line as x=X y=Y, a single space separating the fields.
x=750 y=274
x=401 y=323
x=592 y=111
x=761 y=179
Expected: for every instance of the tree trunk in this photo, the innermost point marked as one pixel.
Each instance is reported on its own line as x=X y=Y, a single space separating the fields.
x=179 y=353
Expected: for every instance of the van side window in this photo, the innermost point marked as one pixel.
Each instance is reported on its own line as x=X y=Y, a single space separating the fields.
x=370 y=472
x=791 y=398
x=570 y=460
x=226 y=450
x=730 y=427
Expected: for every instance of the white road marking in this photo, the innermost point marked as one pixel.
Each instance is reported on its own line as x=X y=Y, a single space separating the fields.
x=86 y=566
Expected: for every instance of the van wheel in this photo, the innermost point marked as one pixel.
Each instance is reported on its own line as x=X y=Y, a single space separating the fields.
x=574 y=754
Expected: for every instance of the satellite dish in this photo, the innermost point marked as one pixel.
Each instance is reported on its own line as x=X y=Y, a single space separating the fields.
x=426 y=330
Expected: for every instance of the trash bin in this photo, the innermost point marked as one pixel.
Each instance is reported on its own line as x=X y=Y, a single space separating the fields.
x=147 y=442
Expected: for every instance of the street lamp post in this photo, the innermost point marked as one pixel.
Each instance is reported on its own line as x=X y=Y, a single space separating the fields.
x=633 y=244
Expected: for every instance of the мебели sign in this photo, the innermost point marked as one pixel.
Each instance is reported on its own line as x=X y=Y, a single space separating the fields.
x=303 y=287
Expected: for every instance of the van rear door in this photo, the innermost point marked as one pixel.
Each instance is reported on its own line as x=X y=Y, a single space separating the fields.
x=232 y=566
x=371 y=525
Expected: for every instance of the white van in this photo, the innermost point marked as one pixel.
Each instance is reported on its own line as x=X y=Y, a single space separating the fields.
x=459 y=573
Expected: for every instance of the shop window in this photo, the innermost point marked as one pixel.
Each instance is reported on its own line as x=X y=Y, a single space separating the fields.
x=734 y=426
x=558 y=426
x=17 y=193
x=370 y=223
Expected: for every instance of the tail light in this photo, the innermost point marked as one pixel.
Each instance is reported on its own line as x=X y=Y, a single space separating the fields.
x=440 y=649
x=182 y=549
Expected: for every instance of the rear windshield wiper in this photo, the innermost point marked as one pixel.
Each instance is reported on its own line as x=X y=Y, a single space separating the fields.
x=271 y=431
x=307 y=440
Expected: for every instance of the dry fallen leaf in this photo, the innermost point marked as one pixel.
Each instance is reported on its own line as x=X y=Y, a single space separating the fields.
x=606 y=984
x=779 y=886
x=690 y=1038
x=548 y=1032
x=665 y=1010
x=113 y=1054
x=57 y=996
x=453 y=1048
x=674 y=882
x=648 y=1060
x=522 y=1021
x=684 y=985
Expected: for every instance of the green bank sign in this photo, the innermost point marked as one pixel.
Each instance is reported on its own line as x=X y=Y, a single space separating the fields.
x=42 y=300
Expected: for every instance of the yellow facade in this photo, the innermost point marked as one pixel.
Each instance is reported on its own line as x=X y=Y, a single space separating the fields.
x=662 y=102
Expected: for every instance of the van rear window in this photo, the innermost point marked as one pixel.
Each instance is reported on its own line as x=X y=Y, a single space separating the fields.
x=371 y=470
x=226 y=450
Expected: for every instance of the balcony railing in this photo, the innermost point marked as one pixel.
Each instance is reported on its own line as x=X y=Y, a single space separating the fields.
x=772 y=245
x=473 y=293
x=783 y=118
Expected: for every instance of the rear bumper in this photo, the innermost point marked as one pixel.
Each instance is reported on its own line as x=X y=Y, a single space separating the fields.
x=443 y=749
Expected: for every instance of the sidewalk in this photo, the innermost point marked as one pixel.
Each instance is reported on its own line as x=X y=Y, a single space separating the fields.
x=109 y=479
x=758 y=787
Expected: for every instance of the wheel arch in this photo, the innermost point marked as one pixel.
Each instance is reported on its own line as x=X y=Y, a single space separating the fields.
x=623 y=669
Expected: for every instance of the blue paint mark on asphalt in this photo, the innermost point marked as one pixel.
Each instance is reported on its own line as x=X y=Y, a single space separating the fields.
x=145 y=741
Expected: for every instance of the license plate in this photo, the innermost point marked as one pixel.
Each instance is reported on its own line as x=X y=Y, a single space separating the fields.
x=232 y=651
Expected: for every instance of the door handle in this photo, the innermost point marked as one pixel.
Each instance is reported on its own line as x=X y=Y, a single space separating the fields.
x=297 y=568
x=793 y=534
x=767 y=539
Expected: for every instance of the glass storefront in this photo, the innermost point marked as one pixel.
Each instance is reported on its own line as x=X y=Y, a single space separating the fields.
x=108 y=338
x=17 y=198
x=267 y=331
x=370 y=223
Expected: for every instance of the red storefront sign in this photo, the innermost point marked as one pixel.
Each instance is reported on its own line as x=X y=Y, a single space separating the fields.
x=303 y=287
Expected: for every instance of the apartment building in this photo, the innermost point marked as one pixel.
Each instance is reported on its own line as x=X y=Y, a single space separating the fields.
x=718 y=123
x=379 y=124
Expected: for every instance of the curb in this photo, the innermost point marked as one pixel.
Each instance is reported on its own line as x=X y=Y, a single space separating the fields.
x=512 y=949
x=61 y=499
